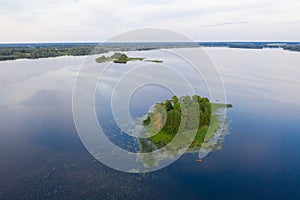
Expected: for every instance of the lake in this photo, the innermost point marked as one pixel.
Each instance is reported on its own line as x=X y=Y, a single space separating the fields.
x=42 y=156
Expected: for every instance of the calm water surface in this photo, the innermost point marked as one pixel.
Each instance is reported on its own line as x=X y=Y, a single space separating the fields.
x=41 y=155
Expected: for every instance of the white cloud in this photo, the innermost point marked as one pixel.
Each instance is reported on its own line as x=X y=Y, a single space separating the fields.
x=94 y=20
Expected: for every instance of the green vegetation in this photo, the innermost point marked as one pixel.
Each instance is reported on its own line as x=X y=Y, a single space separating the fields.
x=155 y=61
x=45 y=50
x=122 y=58
x=117 y=58
x=183 y=114
x=34 y=51
x=14 y=53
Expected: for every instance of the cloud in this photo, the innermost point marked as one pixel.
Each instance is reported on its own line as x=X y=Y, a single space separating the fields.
x=43 y=98
x=93 y=20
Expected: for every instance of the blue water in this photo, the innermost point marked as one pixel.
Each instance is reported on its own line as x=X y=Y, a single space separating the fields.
x=42 y=156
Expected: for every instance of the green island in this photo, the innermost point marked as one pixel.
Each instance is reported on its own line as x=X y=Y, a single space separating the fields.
x=155 y=61
x=117 y=58
x=164 y=122
x=122 y=58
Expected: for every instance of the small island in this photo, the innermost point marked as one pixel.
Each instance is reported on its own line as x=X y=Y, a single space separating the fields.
x=164 y=122
x=155 y=61
x=122 y=59
x=117 y=58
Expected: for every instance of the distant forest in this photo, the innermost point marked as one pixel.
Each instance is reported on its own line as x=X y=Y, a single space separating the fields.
x=45 y=50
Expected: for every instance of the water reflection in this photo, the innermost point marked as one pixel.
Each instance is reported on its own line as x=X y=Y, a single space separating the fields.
x=41 y=155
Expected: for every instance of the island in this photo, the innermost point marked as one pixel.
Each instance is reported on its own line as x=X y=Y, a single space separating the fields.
x=166 y=118
x=155 y=61
x=117 y=58
x=122 y=58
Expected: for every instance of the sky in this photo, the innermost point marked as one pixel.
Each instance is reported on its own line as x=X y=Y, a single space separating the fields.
x=98 y=20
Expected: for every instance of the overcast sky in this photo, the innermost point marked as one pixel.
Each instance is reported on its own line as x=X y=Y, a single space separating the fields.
x=97 y=20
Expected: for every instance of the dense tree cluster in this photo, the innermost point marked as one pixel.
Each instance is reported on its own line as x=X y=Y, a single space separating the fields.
x=116 y=58
x=186 y=113
x=13 y=53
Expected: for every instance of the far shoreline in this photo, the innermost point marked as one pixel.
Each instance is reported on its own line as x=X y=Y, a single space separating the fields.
x=11 y=52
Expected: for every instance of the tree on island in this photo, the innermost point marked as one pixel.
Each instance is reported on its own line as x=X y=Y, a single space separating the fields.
x=166 y=118
x=122 y=59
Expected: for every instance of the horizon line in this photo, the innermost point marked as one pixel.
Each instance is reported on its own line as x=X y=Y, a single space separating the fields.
x=103 y=42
